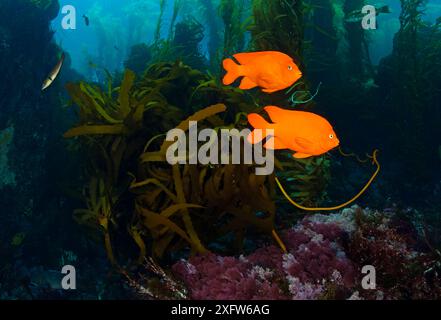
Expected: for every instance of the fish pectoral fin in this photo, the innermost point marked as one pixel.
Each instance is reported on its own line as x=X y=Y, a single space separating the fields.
x=257 y=136
x=275 y=143
x=304 y=143
x=300 y=155
x=247 y=83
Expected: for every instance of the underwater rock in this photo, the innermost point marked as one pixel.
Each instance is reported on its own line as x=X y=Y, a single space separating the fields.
x=49 y=7
x=315 y=264
x=33 y=157
x=7 y=176
x=324 y=261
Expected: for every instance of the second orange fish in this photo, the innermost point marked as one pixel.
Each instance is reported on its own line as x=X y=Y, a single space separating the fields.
x=271 y=70
x=305 y=133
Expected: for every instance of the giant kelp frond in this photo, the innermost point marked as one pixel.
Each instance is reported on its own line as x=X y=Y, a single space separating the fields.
x=416 y=46
x=278 y=25
x=176 y=8
x=189 y=90
x=162 y=5
x=99 y=214
x=183 y=43
x=176 y=201
x=209 y=11
x=109 y=116
x=342 y=205
x=231 y=191
x=232 y=13
x=306 y=179
x=140 y=195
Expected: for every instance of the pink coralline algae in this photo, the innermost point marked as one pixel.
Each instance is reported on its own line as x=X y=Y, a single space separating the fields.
x=224 y=278
x=324 y=260
x=314 y=266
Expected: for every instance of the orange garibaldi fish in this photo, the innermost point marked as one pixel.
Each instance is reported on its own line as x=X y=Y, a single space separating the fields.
x=305 y=133
x=271 y=70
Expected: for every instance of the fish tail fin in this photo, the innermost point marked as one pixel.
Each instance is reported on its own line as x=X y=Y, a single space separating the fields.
x=260 y=125
x=233 y=71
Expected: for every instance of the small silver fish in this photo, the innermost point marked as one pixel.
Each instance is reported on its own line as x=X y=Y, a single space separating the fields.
x=54 y=73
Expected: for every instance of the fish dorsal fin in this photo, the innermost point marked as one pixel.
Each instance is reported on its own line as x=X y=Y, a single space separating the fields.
x=248 y=57
x=244 y=58
x=276 y=114
x=304 y=143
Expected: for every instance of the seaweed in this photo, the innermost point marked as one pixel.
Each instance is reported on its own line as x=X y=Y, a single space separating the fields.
x=162 y=5
x=214 y=42
x=139 y=58
x=306 y=179
x=99 y=214
x=176 y=8
x=184 y=44
x=358 y=63
x=232 y=13
x=187 y=38
x=413 y=96
x=133 y=192
x=278 y=25
x=222 y=191
x=344 y=204
x=325 y=39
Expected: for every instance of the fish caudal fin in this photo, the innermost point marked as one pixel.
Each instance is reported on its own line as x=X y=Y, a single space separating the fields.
x=233 y=71
x=260 y=125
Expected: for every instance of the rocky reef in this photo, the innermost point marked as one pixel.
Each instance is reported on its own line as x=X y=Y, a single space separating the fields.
x=37 y=169
x=325 y=258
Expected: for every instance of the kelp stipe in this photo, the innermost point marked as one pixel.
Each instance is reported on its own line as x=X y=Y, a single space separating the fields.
x=209 y=10
x=232 y=13
x=374 y=162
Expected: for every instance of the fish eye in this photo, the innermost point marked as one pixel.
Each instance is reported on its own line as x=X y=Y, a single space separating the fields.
x=290 y=68
x=331 y=136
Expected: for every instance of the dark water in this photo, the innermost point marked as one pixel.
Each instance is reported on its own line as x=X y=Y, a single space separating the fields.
x=80 y=186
